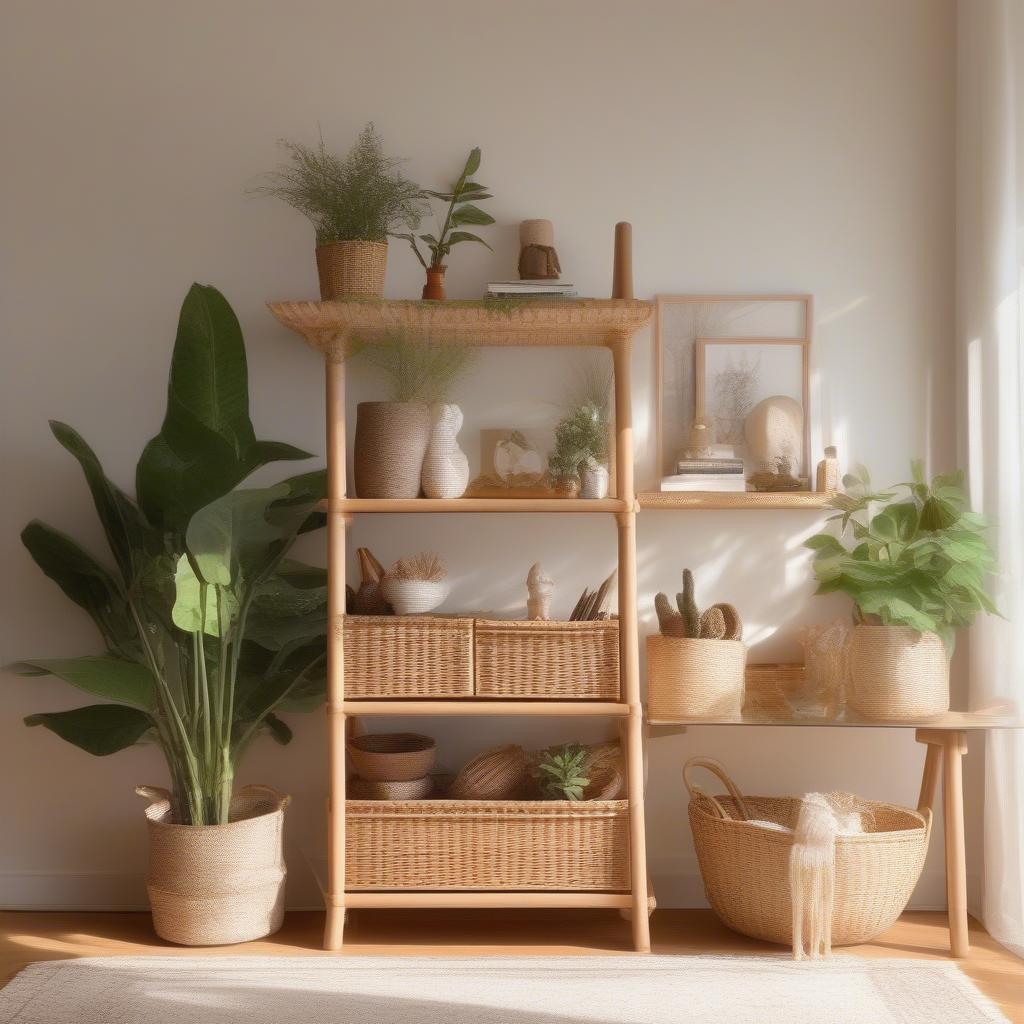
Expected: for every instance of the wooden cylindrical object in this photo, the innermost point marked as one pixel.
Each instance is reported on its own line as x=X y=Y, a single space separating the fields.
x=622 y=273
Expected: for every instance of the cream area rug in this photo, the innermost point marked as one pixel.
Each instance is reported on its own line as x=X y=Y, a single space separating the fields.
x=492 y=990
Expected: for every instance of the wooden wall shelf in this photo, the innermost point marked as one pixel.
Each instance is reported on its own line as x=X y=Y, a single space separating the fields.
x=568 y=708
x=727 y=501
x=348 y=506
x=962 y=721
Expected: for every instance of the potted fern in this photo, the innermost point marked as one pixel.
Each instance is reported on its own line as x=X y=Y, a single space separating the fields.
x=354 y=203
x=209 y=631
x=915 y=567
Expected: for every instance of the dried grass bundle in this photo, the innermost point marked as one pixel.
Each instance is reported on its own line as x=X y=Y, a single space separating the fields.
x=427 y=566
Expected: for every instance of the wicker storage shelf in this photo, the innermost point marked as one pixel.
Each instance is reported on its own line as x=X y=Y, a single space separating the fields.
x=547 y=660
x=487 y=844
x=408 y=656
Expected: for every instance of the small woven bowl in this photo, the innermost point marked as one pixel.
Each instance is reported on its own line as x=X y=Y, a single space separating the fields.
x=414 y=789
x=392 y=756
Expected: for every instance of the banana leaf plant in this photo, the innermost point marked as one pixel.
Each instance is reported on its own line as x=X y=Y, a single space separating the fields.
x=209 y=629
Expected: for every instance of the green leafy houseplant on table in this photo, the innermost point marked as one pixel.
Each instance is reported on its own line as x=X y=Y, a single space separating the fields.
x=209 y=630
x=920 y=561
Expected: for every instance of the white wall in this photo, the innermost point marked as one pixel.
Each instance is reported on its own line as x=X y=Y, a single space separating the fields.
x=798 y=145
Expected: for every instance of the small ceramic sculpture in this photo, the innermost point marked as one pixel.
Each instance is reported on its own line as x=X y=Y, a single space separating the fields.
x=828 y=476
x=698 y=442
x=538 y=260
x=445 y=472
x=539 y=586
x=774 y=430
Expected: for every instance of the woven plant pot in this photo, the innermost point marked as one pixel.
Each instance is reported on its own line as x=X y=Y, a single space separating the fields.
x=413 y=597
x=391 y=441
x=897 y=673
x=694 y=678
x=351 y=268
x=392 y=756
x=210 y=885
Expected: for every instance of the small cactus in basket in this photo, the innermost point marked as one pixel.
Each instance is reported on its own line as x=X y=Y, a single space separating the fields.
x=719 y=622
x=559 y=772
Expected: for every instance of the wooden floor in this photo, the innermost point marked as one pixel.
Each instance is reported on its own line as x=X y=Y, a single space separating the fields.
x=25 y=937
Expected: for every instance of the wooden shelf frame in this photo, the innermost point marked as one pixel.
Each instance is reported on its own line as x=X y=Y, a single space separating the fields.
x=329 y=327
x=733 y=500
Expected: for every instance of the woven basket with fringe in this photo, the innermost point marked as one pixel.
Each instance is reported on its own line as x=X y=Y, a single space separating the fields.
x=351 y=269
x=390 y=443
x=745 y=866
x=392 y=756
x=694 y=678
x=501 y=773
x=480 y=844
x=897 y=673
x=409 y=656
x=547 y=660
x=210 y=885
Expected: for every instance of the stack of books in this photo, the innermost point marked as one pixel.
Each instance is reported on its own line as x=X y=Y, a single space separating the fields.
x=711 y=474
x=532 y=289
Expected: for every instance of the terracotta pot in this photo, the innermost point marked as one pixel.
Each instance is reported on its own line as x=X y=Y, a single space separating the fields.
x=897 y=673
x=391 y=440
x=434 y=288
x=210 y=885
x=351 y=268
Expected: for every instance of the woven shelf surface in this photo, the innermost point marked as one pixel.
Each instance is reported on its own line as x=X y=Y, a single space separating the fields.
x=327 y=326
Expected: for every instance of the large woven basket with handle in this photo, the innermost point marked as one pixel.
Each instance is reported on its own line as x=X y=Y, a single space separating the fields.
x=745 y=865
x=210 y=885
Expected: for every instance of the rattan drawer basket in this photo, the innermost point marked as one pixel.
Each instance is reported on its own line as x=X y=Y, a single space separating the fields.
x=547 y=660
x=487 y=844
x=408 y=656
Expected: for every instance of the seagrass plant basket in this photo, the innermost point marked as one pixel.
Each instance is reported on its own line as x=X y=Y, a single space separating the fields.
x=694 y=678
x=746 y=866
x=210 y=885
x=351 y=269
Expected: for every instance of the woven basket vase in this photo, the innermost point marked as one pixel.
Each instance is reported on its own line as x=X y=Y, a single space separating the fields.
x=391 y=441
x=392 y=756
x=351 y=268
x=897 y=673
x=210 y=885
x=746 y=866
x=694 y=678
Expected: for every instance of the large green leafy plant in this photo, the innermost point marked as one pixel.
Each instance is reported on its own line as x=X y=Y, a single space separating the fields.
x=209 y=630
x=919 y=560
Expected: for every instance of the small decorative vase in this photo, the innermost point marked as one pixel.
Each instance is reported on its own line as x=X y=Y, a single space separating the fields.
x=210 y=885
x=434 y=288
x=351 y=268
x=413 y=597
x=445 y=466
x=594 y=482
x=391 y=441
x=897 y=674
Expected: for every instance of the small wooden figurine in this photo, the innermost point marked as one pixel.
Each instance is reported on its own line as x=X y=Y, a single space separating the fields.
x=828 y=472
x=538 y=260
x=539 y=586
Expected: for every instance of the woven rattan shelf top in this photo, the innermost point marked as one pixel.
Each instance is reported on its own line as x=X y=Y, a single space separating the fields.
x=721 y=501
x=327 y=326
x=953 y=720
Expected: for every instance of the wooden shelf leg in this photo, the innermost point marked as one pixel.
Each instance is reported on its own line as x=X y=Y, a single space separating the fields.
x=956 y=853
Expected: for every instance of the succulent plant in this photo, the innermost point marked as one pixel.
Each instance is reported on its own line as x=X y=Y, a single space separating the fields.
x=559 y=772
x=719 y=622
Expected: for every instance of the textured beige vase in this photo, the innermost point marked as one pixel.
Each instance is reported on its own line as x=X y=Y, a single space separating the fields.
x=391 y=441
x=210 y=885
x=897 y=673
x=694 y=678
x=351 y=269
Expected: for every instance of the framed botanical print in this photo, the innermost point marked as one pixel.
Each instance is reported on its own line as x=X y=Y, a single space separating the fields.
x=680 y=320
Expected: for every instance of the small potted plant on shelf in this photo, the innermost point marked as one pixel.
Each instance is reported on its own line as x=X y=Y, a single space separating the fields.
x=461 y=200
x=695 y=667
x=579 y=460
x=354 y=204
x=209 y=631
x=393 y=437
x=416 y=585
x=915 y=569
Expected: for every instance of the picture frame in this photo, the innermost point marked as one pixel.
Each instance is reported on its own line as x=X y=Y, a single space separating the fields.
x=740 y=372
x=679 y=320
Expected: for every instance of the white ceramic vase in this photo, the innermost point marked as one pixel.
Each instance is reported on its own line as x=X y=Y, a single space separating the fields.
x=445 y=471
x=594 y=482
x=413 y=597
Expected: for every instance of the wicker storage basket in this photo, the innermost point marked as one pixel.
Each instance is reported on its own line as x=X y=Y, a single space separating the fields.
x=210 y=885
x=694 y=678
x=897 y=673
x=746 y=866
x=392 y=756
x=547 y=660
x=481 y=844
x=351 y=268
x=408 y=656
